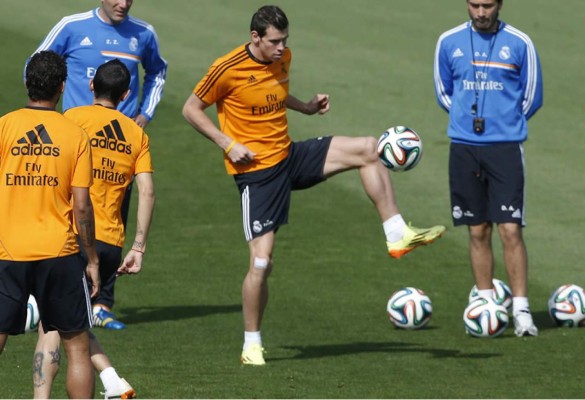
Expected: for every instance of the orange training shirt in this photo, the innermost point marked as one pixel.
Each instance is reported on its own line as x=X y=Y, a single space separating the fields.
x=250 y=96
x=42 y=155
x=120 y=149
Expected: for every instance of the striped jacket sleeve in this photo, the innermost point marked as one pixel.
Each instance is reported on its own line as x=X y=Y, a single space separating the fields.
x=155 y=72
x=531 y=78
x=443 y=77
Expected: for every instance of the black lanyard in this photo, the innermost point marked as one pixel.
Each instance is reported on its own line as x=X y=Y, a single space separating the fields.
x=476 y=84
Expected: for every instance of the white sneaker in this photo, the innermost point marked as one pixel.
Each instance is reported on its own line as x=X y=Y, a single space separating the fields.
x=125 y=391
x=523 y=324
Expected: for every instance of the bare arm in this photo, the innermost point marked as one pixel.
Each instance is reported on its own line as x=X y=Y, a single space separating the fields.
x=132 y=263
x=194 y=113
x=83 y=211
x=318 y=104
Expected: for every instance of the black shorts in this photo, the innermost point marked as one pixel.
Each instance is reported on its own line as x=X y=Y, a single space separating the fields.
x=59 y=286
x=265 y=194
x=487 y=183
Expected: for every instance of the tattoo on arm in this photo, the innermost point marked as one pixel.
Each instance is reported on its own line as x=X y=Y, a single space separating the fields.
x=87 y=232
x=139 y=230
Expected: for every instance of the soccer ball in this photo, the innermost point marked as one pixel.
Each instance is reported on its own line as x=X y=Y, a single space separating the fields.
x=485 y=318
x=399 y=148
x=32 y=315
x=409 y=308
x=503 y=294
x=566 y=306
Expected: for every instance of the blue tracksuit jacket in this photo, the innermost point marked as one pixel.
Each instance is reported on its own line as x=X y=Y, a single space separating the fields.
x=501 y=69
x=86 y=42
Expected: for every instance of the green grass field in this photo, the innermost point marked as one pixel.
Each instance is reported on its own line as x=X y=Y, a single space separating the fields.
x=326 y=330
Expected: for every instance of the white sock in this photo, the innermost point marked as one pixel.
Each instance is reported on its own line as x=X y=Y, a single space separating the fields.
x=394 y=228
x=252 y=338
x=488 y=293
x=520 y=303
x=110 y=380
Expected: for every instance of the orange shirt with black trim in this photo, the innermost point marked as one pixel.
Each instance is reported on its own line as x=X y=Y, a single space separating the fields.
x=42 y=156
x=250 y=96
x=120 y=149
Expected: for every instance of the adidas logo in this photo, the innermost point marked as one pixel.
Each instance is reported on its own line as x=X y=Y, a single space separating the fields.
x=35 y=142
x=112 y=138
x=251 y=79
x=86 y=42
x=457 y=53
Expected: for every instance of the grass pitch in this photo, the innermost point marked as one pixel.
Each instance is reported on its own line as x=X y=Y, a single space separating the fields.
x=325 y=330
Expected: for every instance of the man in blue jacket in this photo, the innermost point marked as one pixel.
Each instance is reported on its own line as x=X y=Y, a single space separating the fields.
x=89 y=39
x=488 y=78
x=86 y=41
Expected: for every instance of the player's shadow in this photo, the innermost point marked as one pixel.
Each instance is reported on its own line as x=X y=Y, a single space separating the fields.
x=542 y=320
x=136 y=315
x=335 y=350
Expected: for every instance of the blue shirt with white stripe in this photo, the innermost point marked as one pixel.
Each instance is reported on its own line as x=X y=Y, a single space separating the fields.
x=87 y=41
x=501 y=70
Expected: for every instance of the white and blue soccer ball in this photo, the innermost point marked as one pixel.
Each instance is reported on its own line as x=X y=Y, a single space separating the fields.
x=400 y=148
x=485 y=318
x=566 y=306
x=502 y=293
x=409 y=308
x=32 y=315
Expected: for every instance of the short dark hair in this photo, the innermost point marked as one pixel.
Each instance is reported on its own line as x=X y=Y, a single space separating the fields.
x=45 y=73
x=268 y=16
x=111 y=80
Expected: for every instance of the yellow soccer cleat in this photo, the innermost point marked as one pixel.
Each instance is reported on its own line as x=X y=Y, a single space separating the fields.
x=414 y=237
x=253 y=355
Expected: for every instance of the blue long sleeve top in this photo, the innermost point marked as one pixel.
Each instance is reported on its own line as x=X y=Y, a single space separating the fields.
x=87 y=41
x=498 y=72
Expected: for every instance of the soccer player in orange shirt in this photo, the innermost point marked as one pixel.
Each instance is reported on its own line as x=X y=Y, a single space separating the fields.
x=120 y=151
x=45 y=175
x=250 y=87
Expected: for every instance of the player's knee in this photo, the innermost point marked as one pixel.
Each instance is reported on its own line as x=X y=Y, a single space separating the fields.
x=369 y=148
x=261 y=263
x=370 y=142
x=480 y=232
